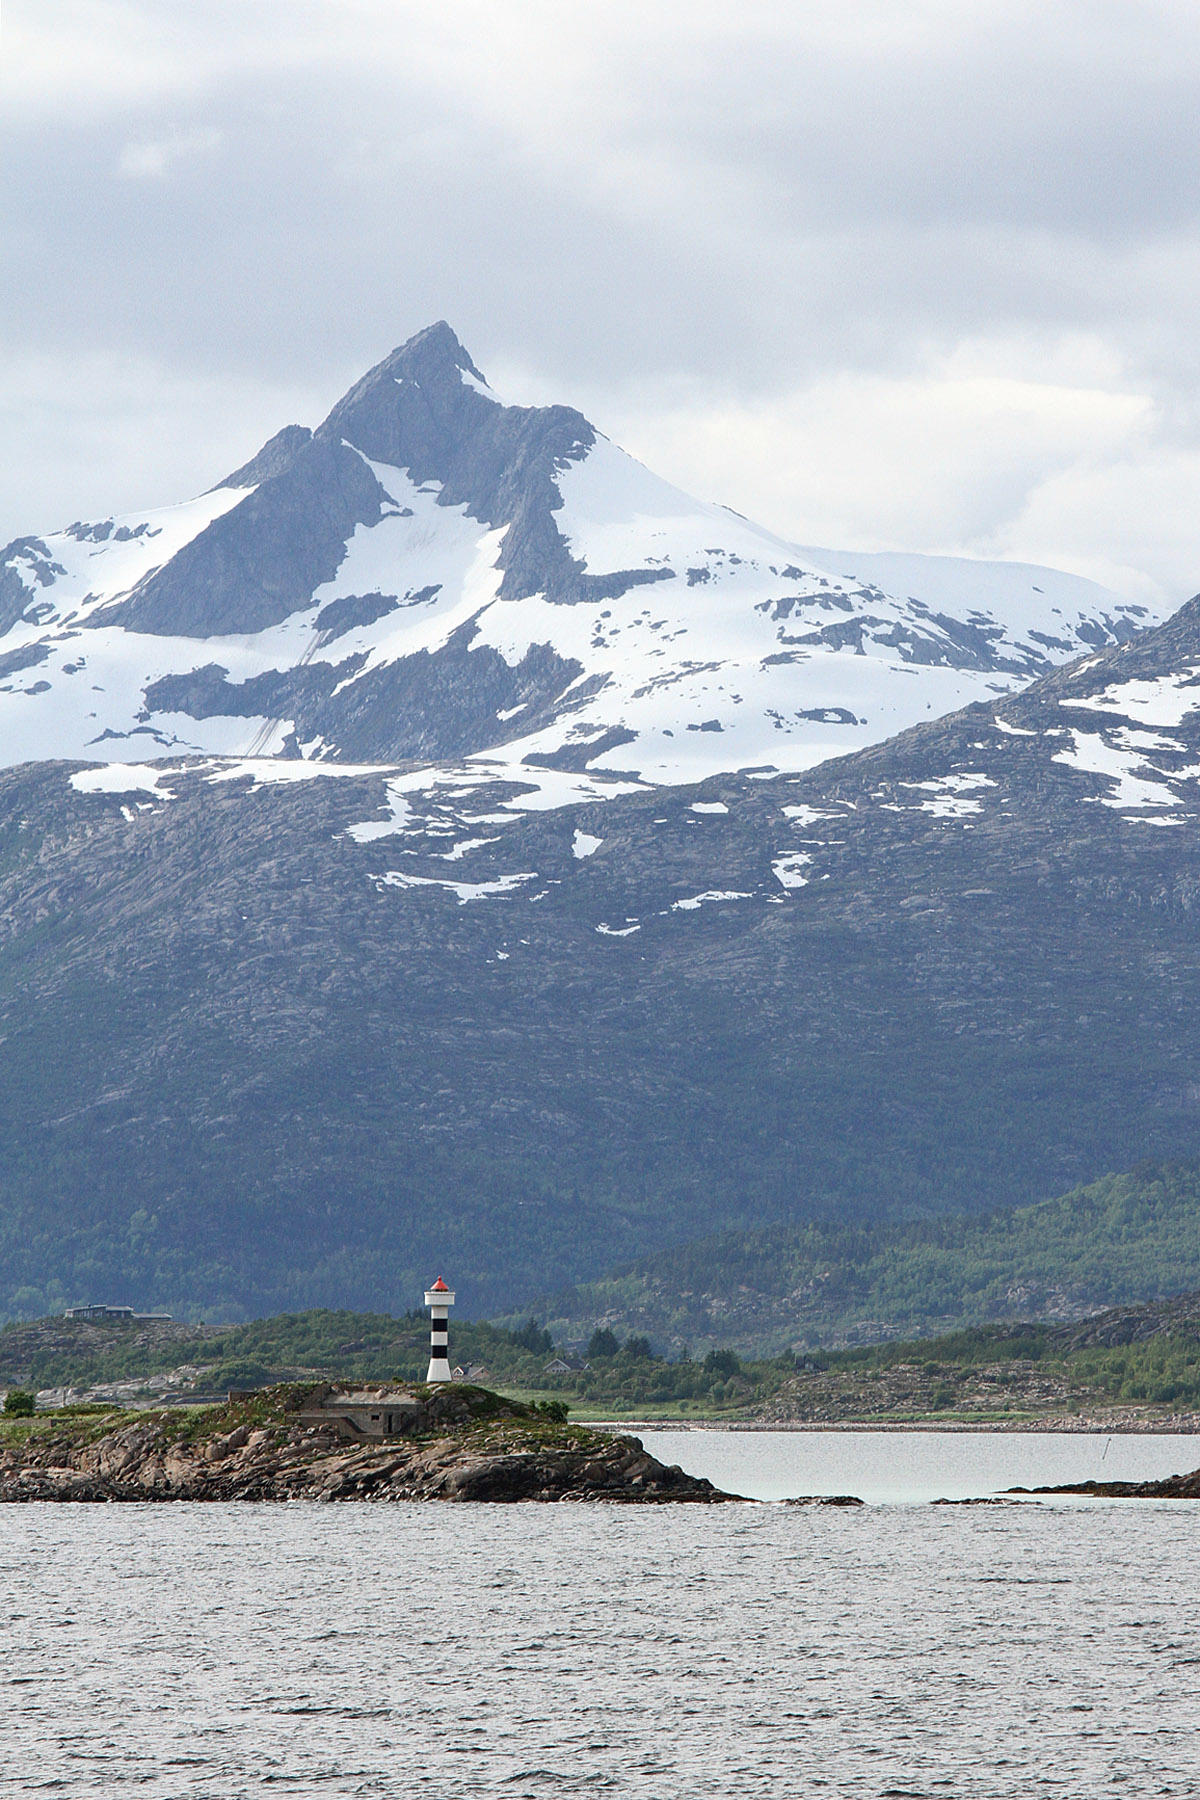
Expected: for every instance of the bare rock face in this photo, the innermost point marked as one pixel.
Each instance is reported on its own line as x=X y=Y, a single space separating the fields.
x=459 y=1444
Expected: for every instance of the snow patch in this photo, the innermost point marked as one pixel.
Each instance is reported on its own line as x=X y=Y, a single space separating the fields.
x=1012 y=730
x=267 y=771
x=952 y=794
x=1167 y=701
x=1090 y=755
x=584 y=845
x=440 y=790
x=480 y=387
x=465 y=891
x=1132 y=737
x=464 y=849
x=704 y=899
x=789 y=870
x=123 y=778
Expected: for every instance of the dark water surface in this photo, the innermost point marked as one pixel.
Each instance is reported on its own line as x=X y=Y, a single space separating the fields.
x=743 y=1651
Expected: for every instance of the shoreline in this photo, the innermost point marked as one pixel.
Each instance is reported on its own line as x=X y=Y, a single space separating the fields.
x=1030 y=1428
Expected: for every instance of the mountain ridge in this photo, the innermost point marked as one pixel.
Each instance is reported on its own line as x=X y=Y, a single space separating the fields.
x=531 y=1035
x=624 y=627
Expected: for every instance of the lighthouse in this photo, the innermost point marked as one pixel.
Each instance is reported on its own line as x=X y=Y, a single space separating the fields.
x=439 y=1299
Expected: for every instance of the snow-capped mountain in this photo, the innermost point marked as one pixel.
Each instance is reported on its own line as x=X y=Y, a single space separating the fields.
x=432 y=575
x=453 y=878
x=278 y=1033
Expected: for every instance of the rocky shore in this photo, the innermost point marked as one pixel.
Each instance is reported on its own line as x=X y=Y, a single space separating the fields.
x=297 y=1443
x=1170 y=1487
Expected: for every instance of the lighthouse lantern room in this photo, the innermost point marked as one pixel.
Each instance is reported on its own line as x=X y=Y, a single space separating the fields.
x=439 y=1299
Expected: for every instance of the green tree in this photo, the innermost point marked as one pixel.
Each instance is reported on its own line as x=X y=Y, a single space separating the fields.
x=19 y=1403
x=534 y=1338
x=602 y=1342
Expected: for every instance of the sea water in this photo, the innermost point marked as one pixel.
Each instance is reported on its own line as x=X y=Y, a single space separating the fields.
x=1038 y=1649
x=889 y=1466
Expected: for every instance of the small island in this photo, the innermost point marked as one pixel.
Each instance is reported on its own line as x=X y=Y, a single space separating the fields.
x=329 y=1441
x=1169 y=1487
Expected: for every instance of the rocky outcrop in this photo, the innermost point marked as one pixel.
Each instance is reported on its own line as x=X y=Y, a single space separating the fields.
x=460 y=1444
x=1171 y=1487
x=824 y=1500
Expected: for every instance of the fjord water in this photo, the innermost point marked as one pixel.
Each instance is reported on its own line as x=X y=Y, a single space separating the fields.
x=228 y=1651
x=890 y=1466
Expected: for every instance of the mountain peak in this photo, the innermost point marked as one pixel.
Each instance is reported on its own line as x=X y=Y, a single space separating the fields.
x=463 y=575
x=437 y=347
x=428 y=385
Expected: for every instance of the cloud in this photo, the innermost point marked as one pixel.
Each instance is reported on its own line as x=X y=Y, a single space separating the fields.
x=895 y=271
x=980 y=452
x=151 y=160
x=93 y=434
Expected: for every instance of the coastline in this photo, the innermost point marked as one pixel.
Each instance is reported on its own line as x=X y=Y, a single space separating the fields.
x=1171 y=1427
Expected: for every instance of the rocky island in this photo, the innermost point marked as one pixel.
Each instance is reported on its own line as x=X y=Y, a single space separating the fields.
x=327 y=1442
x=1169 y=1487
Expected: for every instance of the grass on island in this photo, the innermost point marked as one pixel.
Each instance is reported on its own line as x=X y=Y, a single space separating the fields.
x=477 y=1418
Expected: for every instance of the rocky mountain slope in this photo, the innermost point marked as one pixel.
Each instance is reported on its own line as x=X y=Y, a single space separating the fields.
x=280 y=1033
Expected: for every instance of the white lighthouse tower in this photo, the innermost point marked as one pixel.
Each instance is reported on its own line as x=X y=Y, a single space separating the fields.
x=439 y=1299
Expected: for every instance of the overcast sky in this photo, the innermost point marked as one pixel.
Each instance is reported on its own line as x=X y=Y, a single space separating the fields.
x=914 y=274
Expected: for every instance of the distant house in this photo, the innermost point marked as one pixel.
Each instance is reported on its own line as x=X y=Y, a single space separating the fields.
x=475 y=1372
x=566 y=1365
x=102 y=1315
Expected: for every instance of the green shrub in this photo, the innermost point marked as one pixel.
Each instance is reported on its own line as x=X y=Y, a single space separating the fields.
x=19 y=1403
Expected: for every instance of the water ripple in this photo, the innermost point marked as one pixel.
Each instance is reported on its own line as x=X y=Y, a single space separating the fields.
x=208 y=1653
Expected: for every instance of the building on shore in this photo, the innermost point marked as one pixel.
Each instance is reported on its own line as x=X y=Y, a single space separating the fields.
x=363 y=1413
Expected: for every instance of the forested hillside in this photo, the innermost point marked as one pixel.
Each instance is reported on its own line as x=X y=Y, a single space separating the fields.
x=1123 y=1239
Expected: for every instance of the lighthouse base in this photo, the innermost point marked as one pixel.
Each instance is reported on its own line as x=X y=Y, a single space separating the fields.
x=439 y=1369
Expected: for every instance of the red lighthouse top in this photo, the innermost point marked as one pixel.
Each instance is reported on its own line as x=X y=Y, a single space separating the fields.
x=439 y=1287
